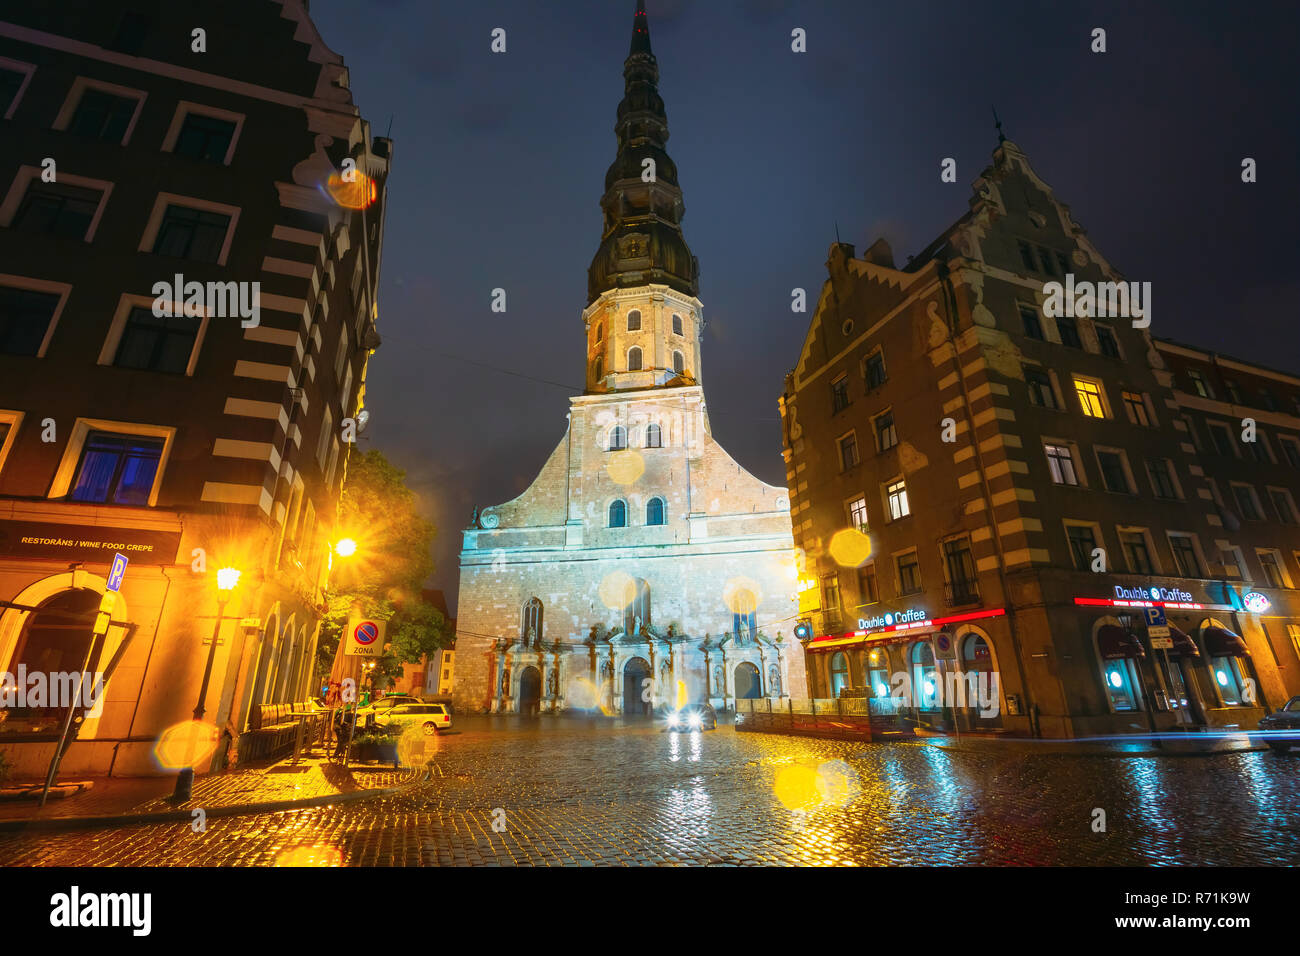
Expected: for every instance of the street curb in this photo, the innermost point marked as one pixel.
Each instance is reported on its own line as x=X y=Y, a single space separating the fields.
x=186 y=816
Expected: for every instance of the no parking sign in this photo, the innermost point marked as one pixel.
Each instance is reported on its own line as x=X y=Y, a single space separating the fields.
x=365 y=637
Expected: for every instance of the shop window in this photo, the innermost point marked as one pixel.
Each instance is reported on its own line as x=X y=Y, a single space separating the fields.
x=878 y=676
x=1226 y=672
x=839 y=673
x=925 y=677
x=1120 y=683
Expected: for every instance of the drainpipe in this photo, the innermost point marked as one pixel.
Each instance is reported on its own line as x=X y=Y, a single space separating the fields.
x=950 y=314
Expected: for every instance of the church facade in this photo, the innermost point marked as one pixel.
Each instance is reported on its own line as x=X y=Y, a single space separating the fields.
x=643 y=567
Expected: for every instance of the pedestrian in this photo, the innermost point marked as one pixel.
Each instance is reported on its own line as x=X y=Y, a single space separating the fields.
x=347 y=722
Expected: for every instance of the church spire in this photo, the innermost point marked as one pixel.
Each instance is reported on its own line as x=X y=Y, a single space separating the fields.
x=642 y=241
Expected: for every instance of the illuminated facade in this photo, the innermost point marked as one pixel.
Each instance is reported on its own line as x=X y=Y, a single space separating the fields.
x=643 y=567
x=984 y=486
x=188 y=444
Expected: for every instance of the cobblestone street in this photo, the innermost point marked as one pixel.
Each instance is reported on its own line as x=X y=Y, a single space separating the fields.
x=577 y=794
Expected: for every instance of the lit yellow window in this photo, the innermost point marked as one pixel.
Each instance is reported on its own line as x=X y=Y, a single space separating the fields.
x=1089 y=398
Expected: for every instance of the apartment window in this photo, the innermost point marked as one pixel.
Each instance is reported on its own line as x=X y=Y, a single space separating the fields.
x=11 y=81
x=840 y=393
x=1060 y=462
x=617 y=438
x=1267 y=400
x=1199 y=385
x=1259 y=448
x=848 y=451
x=960 y=567
x=600 y=331
x=831 y=596
x=1283 y=505
x=1186 y=561
x=156 y=344
x=677 y=324
x=909 y=573
x=323 y=440
x=1191 y=433
x=1162 y=481
x=1106 y=342
x=875 y=371
x=1063 y=262
x=1232 y=391
x=25 y=316
x=1045 y=258
x=654 y=436
x=1271 y=562
x=191 y=234
x=1136 y=407
x=1247 y=502
x=1083 y=541
x=634 y=320
x=1114 y=476
x=858 y=514
x=1069 y=331
x=1090 y=397
x=867 y=586
x=1234 y=560
x=59 y=210
x=896 y=495
x=116 y=469
x=1027 y=255
x=1290 y=450
x=1136 y=552
x=1221 y=439
x=341 y=352
x=618 y=514
x=205 y=138
x=1040 y=387
x=1033 y=325
x=102 y=115
x=634 y=359
x=886 y=435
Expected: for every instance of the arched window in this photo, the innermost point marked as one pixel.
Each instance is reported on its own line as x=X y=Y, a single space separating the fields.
x=617 y=438
x=1226 y=652
x=54 y=639
x=618 y=514
x=744 y=618
x=634 y=320
x=636 y=613
x=600 y=331
x=634 y=359
x=654 y=511
x=530 y=623
x=654 y=437
x=878 y=678
x=677 y=324
x=925 y=678
x=1118 y=651
x=600 y=369
x=679 y=363
x=839 y=673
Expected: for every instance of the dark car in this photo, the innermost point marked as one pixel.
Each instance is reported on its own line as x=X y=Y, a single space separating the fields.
x=689 y=718
x=1283 y=726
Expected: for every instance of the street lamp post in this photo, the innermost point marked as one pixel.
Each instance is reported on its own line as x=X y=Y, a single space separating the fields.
x=227 y=578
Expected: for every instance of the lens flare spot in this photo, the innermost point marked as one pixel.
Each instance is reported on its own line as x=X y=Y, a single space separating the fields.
x=186 y=744
x=417 y=745
x=617 y=590
x=358 y=193
x=742 y=595
x=683 y=697
x=625 y=467
x=837 y=783
x=850 y=547
x=796 y=786
x=310 y=856
x=582 y=693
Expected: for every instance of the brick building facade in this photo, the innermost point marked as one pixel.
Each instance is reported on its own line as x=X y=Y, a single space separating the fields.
x=188 y=442
x=643 y=567
x=980 y=485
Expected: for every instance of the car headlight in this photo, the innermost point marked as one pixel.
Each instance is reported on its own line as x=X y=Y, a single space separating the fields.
x=696 y=722
x=672 y=720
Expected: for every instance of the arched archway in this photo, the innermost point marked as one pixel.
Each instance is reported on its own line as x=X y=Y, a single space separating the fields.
x=54 y=640
x=635 y=673
x=749 y=683
x=975 y=654
x=530 y=690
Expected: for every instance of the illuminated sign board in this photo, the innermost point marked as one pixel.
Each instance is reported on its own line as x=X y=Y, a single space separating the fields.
x=1255 y=602
x=903 y=621
x=890 y=619
x=1152 y=594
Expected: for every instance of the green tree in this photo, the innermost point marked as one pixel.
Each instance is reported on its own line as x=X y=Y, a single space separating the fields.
x=384 y=577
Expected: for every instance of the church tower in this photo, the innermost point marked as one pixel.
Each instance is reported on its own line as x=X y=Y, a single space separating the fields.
x=644 y=567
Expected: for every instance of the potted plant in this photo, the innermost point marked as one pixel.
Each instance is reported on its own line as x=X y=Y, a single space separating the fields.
x=375 y=743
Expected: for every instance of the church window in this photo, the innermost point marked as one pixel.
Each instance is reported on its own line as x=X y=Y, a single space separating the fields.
x=636 y=613
x=654 y=436
x=618 y=514
x=530 y=621
x=654 y=511
x=634 y=359
x=617 y=438
x=634 y=320
x=679 y=363
x=600 y=331
x=600 y=368
x=677 y=324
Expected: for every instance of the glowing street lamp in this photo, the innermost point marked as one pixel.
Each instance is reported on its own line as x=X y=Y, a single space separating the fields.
x=227 y=580
x=345 y=547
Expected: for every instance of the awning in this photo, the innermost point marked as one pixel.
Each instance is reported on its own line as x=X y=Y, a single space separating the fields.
x=1115 y=643
x=1221 y=643
x=1184 y=646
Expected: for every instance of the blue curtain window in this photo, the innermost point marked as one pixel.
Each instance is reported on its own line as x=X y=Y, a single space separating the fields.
x=116 y=469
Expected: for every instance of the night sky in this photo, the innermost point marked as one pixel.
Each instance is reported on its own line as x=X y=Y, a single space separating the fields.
x=499 y=166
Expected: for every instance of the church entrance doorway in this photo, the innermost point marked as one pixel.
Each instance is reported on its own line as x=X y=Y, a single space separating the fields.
x=635 y=674
x=748 y=684
x=530 y=691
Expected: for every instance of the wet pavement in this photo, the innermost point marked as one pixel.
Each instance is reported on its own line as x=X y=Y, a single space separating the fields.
x=572 y=793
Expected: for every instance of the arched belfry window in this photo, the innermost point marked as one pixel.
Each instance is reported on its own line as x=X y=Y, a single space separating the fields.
x=617 y=438
x=654 y=436
x=679 y=363
x=530 y=622
x=634 y=320
x=600 y=369
x=618 y=514
x=600 y=331
x=634 y=359
x=677 y=324
x=654 y=511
